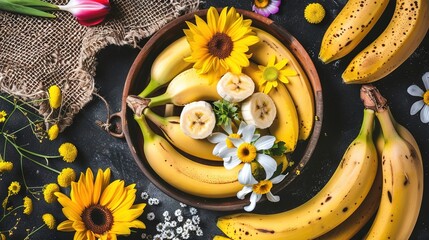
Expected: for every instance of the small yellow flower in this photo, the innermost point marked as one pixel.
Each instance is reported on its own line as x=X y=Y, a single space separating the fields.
x=3 y=115
x=53 y=132
x=55 y=96
x=49 y=220
x=5 y=166
x=28 y=205
x=274 y=74
x=48 y=192
x=68 y=151
x=314 y=13
x=66 y=176
x=14 y=188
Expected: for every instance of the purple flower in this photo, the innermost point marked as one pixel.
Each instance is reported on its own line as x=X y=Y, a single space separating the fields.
x=266 y=7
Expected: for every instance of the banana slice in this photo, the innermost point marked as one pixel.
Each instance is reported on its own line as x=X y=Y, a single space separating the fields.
x=197 y=119
x=259 y=110
x=235 y=88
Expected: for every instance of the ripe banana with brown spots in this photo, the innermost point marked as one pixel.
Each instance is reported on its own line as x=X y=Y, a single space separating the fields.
x=338 y=199
x=349 y=27
x=405 y=32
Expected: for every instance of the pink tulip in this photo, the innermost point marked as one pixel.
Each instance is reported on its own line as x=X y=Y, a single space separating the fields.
x=88 y=12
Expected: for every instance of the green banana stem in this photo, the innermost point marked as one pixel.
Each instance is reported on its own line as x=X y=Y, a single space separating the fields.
x=387 y=126
x=16 y=8
x=148 y=134
x=159 y=100
x=155 y=118
x=367 y=124
x=152 y=86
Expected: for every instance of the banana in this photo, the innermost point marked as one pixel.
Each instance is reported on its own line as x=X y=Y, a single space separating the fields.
x=259 y=110
x=235 y=88
x=170 y=127
x=402 y=189
x=167 y=65
x=398 y=41
x=286 y=124
x=338 y=199
x=181 y=172
x=349 y=27
x=352 y=225
x=299 y=86
x=197 y=120
x=185 y=88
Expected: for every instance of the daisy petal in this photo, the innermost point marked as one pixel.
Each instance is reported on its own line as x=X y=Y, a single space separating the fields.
x=234 y=162
x=248 y=132
x=415 y=108
x=415 y=91
x=278 y=179
x=424 y=114
x=245 y=176
x=227 y=153
x=265 y=142
x=220 y=147
x=272 y=198
x=425 y=79
x=268 y=163
x=217 y=137
x=243 y=192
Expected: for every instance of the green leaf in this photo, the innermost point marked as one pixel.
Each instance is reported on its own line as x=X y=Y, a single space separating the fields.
x=38 y=4
x=15 y=8
x=277 y=149
x=225 y=112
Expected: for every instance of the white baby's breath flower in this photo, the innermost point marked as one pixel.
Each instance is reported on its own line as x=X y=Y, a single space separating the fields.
x=423 y=104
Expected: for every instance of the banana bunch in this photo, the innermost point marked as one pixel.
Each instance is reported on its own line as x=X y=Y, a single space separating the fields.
x=392 y=191
x=404 y=33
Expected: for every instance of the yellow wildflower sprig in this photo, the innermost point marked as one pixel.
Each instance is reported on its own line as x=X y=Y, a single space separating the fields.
x=48 y=221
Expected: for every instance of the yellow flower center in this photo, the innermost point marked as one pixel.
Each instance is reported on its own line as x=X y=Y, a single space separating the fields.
x=66 y=176
x=261 y=3
x=14 y=188
x=49 y=192
x=426 y=97
x=97 y=218
x=271 y=74
x=68 y=151
x=246 y=152
x=263 y=187
x=3 y=115
x=229 y=143
x=49 y=220
x=220 y=45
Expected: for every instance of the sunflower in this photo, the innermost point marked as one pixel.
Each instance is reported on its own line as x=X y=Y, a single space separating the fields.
x=220 y=44
x=100 y=209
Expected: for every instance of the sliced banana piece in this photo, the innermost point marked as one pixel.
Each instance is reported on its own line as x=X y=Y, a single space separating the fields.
x=259 y=110
x=235 y=88
x=197 y=119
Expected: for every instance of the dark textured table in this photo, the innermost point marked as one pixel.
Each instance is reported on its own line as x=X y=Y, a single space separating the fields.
x=341 y=122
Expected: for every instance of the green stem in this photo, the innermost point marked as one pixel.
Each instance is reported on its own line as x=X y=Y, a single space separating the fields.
x=148 y=134
x=155 y=118
x=159 y=100
x=16 y=8
x=34 y=231
x=367 y=123
x=387 y=125
x=11 y=211
x=152 y=86
x=18 y=148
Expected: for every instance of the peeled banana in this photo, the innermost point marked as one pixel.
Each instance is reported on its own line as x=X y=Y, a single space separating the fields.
x=338 y=199
x=405 y=32
x=170 y=127
x=169 y=63
x=299 y=86
x=259 y=110
x=185 y=88
x=349 y=27
x=235 y=88
x=197 y=120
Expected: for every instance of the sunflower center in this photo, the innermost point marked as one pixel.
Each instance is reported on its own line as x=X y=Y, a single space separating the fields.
x=246 y=152
x=263 y=187
x=261 y=3
x=97 y=219
x=220 y=45
x=426 y=97
x=271 y=74
x=229 y=143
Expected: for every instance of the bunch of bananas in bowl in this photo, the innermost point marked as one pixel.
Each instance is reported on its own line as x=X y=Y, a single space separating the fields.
x=228 y=131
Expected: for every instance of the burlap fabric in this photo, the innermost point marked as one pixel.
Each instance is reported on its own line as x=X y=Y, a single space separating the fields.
x=36 y=53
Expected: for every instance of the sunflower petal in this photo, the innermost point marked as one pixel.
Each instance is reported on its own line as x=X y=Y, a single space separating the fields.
x=66 y=226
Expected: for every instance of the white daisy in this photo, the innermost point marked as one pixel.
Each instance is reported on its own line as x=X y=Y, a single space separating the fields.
x=245 y=151
x=222 y=140
x=259 y=189
x=422 y=104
